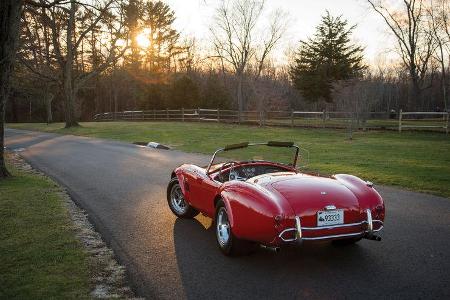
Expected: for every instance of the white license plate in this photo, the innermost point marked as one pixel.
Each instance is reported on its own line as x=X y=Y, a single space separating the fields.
x=332 y=217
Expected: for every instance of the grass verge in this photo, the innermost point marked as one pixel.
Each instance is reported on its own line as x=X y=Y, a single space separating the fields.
x=418 y=161
x=40 y=257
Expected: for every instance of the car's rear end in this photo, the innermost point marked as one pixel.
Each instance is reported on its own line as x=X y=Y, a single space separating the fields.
x=326 y=209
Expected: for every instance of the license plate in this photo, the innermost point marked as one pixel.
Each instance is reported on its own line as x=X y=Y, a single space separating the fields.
x=332 y=217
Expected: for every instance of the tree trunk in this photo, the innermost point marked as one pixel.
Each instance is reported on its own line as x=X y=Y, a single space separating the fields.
x=69 y=107
x=10 y=11
x=69 y=89
x=240 y=98
x=48 y=104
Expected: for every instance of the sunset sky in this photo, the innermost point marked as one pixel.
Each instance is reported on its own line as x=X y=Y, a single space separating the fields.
x=195 y=16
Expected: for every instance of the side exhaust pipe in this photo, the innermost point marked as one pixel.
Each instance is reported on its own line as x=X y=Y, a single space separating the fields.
x=373 y=237
x=272 y=249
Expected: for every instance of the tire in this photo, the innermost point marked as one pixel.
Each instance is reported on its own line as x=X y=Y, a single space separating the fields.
x=226 y=241
x=177 y=204
x=346 y=242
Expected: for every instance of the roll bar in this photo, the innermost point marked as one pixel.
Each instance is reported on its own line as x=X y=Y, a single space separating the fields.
x=247 y=144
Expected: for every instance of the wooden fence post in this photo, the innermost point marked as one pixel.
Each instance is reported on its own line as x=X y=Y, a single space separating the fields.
x=167 y=114
x=218 y=115
x=323 y=118
x=239 y=116
x=400 y=121
x=292 y=118
x=446 y=125
x=182 y=114
x=154 y=115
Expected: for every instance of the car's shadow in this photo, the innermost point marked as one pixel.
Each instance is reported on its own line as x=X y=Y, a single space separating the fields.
x=294 y=272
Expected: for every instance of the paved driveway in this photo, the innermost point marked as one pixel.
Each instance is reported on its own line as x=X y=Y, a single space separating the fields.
x=123 y=187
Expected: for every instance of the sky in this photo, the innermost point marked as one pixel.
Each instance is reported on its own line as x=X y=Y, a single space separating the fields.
x=194 y=17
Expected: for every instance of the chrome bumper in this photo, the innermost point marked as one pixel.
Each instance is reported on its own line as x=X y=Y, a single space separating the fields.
x=369 y=232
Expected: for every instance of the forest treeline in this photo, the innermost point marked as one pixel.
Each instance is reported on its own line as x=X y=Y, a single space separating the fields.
x=79 y=58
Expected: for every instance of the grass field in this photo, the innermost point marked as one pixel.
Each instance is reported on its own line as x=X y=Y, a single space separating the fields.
x=40 y=257
x=413 y=160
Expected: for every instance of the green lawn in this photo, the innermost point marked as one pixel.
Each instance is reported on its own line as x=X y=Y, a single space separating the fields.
x=40 y=257
x=418 y=161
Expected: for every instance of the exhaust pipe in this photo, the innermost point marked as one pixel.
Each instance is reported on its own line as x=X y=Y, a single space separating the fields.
x=373 y=237
x=273 y=249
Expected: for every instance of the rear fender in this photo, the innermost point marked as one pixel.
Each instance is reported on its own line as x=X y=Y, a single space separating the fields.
x=368 y=197
x=252 y=212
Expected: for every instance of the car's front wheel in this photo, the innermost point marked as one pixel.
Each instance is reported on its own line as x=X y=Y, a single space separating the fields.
x=227 y=242
x=177 y=203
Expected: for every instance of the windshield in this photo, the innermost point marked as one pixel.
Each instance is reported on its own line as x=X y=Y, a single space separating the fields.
x=282 y=153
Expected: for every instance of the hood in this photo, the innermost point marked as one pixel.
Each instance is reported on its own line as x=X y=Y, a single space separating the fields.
x=309 y=194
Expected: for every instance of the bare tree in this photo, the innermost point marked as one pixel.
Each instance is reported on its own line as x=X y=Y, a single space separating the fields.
x=415 y=43
x=10 y=11
x=232 y=36
x=438 y=12
x=235 y=38
x=103 y=26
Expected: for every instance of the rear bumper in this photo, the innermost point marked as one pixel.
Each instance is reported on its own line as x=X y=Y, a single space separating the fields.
x=367 y=228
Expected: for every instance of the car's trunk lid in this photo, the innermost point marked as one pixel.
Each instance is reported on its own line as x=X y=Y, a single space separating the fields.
x=309 y=194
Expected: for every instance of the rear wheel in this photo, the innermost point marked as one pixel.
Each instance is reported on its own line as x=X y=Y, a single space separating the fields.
x=178 y=205
x=227 y=242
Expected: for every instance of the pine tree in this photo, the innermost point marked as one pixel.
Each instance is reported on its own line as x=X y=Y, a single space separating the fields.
x=158 y=18
x=326 y=58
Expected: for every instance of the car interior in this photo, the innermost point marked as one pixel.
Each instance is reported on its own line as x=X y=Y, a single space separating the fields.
x=244 y=171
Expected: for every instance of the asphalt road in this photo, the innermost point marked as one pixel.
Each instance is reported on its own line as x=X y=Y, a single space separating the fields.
x=123 y=189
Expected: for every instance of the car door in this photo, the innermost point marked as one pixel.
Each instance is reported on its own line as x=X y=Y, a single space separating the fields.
x=202 y=192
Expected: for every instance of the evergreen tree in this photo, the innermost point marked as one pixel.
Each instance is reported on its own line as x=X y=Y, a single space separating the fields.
x=327 y=57
x=133 y=16
x=184 y=93
x=159 y=18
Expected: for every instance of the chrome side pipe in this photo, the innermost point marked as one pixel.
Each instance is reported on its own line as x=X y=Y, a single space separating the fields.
x=272 y=249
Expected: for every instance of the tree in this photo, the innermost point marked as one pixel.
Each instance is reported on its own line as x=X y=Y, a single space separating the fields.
x=184 y=93
x=10 y=11
x=158 y=18
x=438 y=12
x=234 y=38
x=415 y=44
x=326 y=58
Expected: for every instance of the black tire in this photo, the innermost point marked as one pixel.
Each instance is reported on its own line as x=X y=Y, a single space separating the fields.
x=179 y=206
x=346 y=242
x=230 y=246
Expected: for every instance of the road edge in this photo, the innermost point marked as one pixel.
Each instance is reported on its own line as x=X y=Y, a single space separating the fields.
x=107 y=277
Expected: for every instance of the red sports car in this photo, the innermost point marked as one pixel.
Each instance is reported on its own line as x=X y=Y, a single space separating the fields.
x=254 y=201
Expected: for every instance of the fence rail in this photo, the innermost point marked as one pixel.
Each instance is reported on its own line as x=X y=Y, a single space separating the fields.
x=317 y=119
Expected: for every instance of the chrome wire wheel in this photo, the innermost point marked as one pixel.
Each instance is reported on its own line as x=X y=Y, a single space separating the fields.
x=177 y=199
x=223 y=227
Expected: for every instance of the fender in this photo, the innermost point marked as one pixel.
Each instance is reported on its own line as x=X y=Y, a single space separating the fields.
x=178 y=172
x=367 y=196
x=252 y=211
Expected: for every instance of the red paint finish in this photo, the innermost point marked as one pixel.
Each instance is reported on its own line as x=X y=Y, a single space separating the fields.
x=261 y=207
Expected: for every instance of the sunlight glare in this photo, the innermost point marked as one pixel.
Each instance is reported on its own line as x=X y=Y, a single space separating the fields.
x=142 y=38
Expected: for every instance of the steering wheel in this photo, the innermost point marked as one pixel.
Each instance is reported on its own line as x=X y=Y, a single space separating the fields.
x=223 y=167
x=231 y=165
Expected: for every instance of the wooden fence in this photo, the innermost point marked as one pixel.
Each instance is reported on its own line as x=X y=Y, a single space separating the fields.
x=315 y=119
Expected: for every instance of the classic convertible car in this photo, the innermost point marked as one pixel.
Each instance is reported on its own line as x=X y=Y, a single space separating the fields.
x=255 y=201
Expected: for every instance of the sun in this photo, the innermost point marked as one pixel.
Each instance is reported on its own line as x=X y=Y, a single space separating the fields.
x=142 y=38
